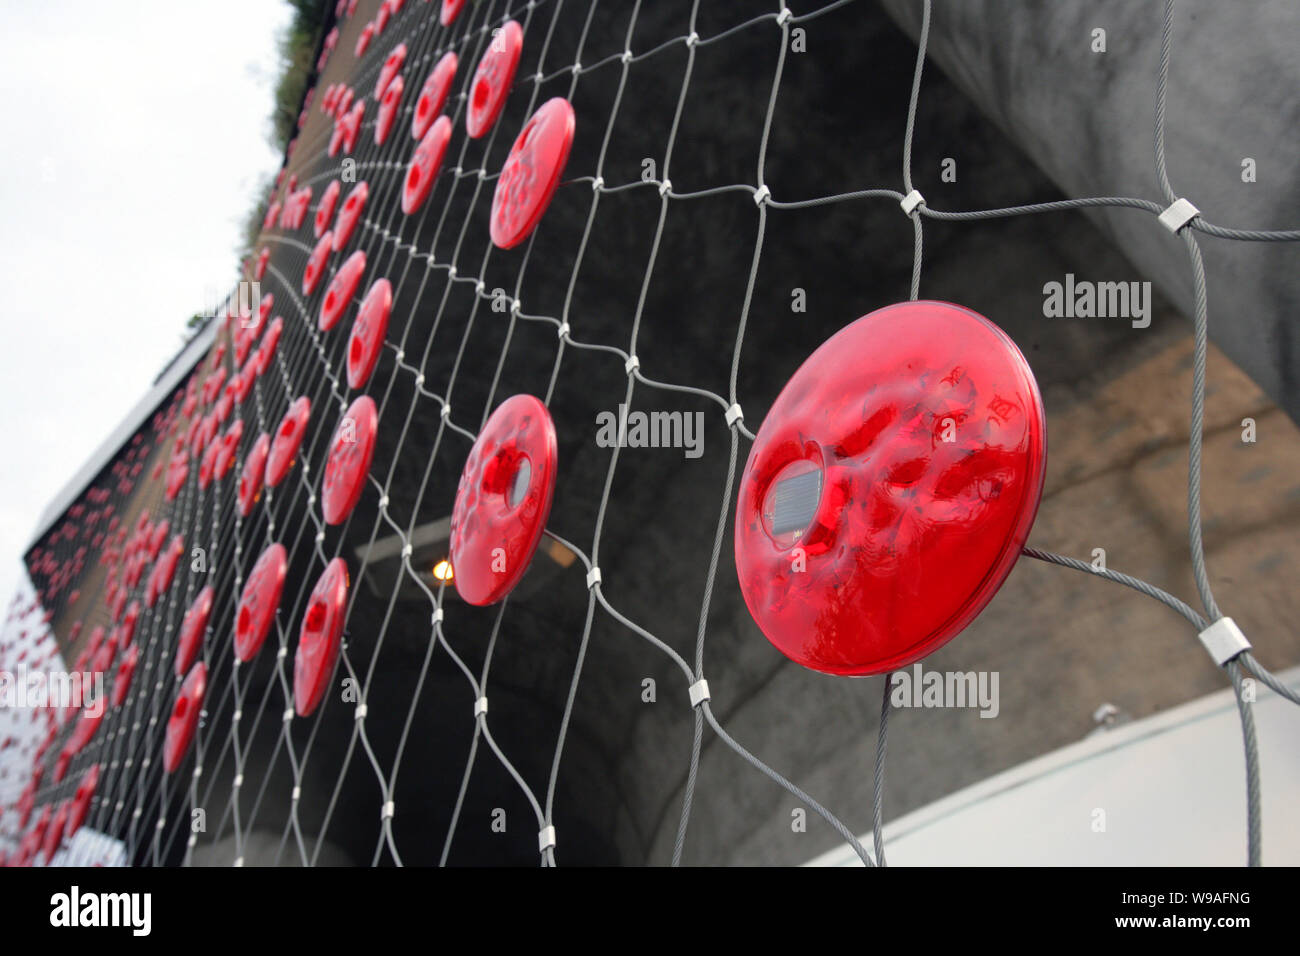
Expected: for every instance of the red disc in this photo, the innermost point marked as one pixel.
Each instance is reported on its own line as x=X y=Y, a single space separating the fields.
x=363 y=41
x=193 y=627
x=503 y=500
x=381 y=18
x=250 y=479
x=496 y=71
x=353 y=206
x=531 y=173
x=341 y=290
x=392 y=66
x=450 y=11
x=890 y=488
x=351 y=450
x=288 y=438
x=207 y=464
x=81 y=802
x=352 y=125
x=388 y=109
x=125 y=671
x=426 y=162
x=184 y=719
x=433 y=96
x=54 y=835
x=318 y=641
x=263 y=257
x=266 y=351
x=259 y=602
x=368 y=333
x=315 y=267
x=325 y=211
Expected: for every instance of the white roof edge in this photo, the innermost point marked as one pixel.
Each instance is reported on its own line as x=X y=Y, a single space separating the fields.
x=180 y=366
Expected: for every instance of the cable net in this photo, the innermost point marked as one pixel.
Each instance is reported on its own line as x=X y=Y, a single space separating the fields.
x=638 y=288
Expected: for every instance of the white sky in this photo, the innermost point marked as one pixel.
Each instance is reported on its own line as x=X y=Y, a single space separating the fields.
x=135 y=135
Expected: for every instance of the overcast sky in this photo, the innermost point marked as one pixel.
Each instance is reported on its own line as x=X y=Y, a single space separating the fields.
x=135 y=136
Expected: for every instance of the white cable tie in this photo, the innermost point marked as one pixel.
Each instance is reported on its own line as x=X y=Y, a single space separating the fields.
x=762 y=195
x=297 y=794
x=562 y=330
x=383 y=502
x=593 y=578
x=239 y=781
x=288 y=714
x=480 y=706
x=734 y=414
x=784 y=17
x=597 y=183
x=1224 y=640
x=699 y=692
x=693 y=39
x=516 y=306
x=1178 y=215
x=361 y=712
x=665 y=186
x=437 y=616
x=911 y=201
x=446 y=410
x=627 y=56
x=406 y=550
x=545 y=839
x=632 y=363
x=389 y=809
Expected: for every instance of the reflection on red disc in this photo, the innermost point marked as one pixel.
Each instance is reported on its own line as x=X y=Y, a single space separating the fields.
x=184 y=719
x=288 y=438
x=318 y=641
x=315 y=267
x=250 y=479
x=503 y=500
x=890 y=489
x=496 y=71
x=531 y=173
x=368 y=333
x=325 y=211
x=450 y=11
x=388 y=109
x=353 y=206
x=81 y=801
x=193 y=627
x=351 y=450
x=433 y=96
x=259 y=602
x=392 y=66
x=341 y=290
x=125 y=671
x=426 y=162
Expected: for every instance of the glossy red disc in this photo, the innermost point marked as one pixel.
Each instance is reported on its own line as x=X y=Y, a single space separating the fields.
x=433 y=95
x=426 y=162
x=492 y=79
x=259 y=602
x=325 y=211
x=503 y=500
x=266 y=351
x=368 y=333
x=363 y=41
x=184 y=719
x=341 y=290
x=318 y=641
x=393 y=64
x=315 y=267
x=125 y=671
x=381 y=18
x=352 y=209
x=250 y=479
x=288 y=438
x=81 y=801
x=351 y=450
x=890 y=488
x=450 y=11
x=388 y=108
x=193 y=627
x=531 y=173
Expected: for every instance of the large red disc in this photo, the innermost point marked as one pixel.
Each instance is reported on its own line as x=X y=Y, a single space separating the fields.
x=193 y=627
x=492 y=79
x=433 y=96
x=184 y=719
x=352 y=209
x=503 y=500
x=318 y=641
x=341 y=290
x=125 y=671
x=392 y=66
x=325 y=211
x=368 y=333
x=388 y=107
x=315 y=267
x=425 y=164
x=259 y=602
x=890 y=488
x=250 y=479
x=450 y=11
x=531 y=173
x=288 y=438
x=351 y=450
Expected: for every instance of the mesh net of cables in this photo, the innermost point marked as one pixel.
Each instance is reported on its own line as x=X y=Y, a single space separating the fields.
x=445 y=732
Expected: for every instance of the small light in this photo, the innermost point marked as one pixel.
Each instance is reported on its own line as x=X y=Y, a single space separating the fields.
x=442 y=570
